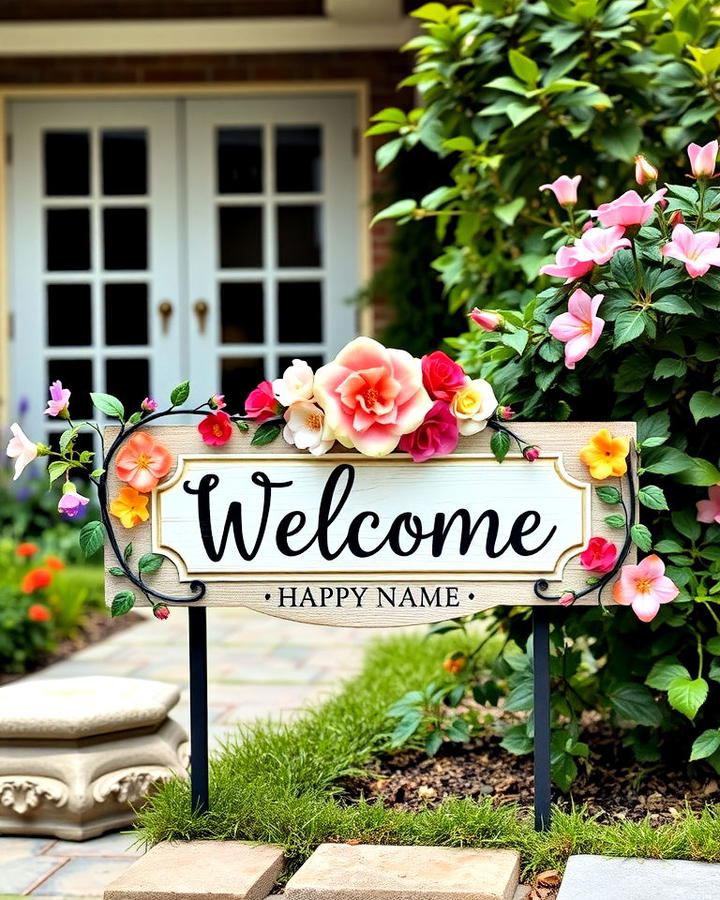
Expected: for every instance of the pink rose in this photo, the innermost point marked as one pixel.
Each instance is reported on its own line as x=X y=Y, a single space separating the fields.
x=600 y=244
x=703 y=159
x=486 y=319
x=262 y=403
x=372 y=396
x=567 y=265
x=442 y=377
x=437 y=436
x=564 y=188
x=629 y=209
x=599 y=555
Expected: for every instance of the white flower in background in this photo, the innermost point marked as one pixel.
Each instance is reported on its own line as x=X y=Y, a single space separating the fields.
x=21 y=449
x=295 y=384
x=306 y=428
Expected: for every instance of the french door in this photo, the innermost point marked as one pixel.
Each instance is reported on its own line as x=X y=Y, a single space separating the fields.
x=158 y=240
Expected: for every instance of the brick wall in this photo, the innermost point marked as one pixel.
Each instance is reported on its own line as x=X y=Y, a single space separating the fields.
x=381 y=69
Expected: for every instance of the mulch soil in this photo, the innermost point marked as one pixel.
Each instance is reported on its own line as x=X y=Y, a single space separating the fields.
x=97 y=626
x=614 y=786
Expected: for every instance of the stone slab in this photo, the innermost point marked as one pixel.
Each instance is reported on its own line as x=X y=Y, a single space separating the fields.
x=608 y=878
x=72 y=708
x=206 y=870
x=370 y=872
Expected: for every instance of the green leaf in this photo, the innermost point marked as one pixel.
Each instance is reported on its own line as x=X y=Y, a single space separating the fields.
x=635 y=702
x=117 y=571
x=180 y=394
x=700 y=472
x=458 y=730
x=642 y=537
x=704 y=405
x=519 y=112
x=395 y=211
x=508 y=212
x=623 y=142
x=433 y=12
x=685 y=521
x=564 y=770
x=524 y=67
x=609 y=495
x=127 y=552
x=91 y=538
x=623 y=271
x=687 y=695
x=433 y=742
x=628 y=326
x=673 y=304
x=516 y=740
x=67 y=437
x=670 y=368
x=265 y=434
x=109 y=405
x=500 y=444
x=122 y=603
x=135 y=418
x=521 y=696
x=385 y=154
x=517 y=340
x=615 y=520
x=664 y=672
x=705 y=745
x=406 y=728
x=713 y=646
x=666 y=461
x=57 y=468
x=653 y=497
x=96 y=473
x=150 y=562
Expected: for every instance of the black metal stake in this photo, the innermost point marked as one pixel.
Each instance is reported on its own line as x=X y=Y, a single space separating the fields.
x=197 y=640
x=541 y=709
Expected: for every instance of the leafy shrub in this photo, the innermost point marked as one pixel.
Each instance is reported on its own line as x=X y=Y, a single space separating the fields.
x=511 y=90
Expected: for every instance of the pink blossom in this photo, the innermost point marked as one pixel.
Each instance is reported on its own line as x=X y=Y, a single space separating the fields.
x=505 y=412
x=567 y=599
x=261 y=404
x=703 y=159
x=567 y=265
x=599 y=555
x=59 y=400
x=149 y=405
x=628 y=209
x=372 y=396
x=600 y=244
x=644 y=587
x=531 y=453
x=644 y=171
x=217 y=401
x=697 y=250
x=580 y=327
x=709 y=510
x=564 y=188
x=438 y=434
x=486 y=319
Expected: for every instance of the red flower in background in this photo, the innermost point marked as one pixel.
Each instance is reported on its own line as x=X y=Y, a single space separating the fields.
x=216 y=429
x=35 y=578
x=54 y=563
x=39 y=613
x=442 y=376
x=26 y=549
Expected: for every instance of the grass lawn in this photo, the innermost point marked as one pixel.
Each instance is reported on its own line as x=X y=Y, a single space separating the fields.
x=278 y=784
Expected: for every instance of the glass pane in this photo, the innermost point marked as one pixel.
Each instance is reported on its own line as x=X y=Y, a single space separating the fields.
x=300 y=312
x=67 y=234
x=125 y=238
x=241 y=313
x=298 y=159
x=239 y=160
x=124 y=162
x=298 y=236
x=69 y=315
x=240 y=237
x=238 y=377
x=313 y=361
x=67 y=163
x=76 y=376
x=126 y=314
x=128 y=380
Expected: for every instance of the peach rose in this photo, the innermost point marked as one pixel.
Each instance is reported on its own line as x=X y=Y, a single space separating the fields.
x=473 y=405
x=372 y=396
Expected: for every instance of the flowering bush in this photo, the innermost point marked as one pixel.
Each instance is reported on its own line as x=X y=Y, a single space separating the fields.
x=632 y=333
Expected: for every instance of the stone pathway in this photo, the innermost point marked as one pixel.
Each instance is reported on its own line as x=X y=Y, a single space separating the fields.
x=257 y=667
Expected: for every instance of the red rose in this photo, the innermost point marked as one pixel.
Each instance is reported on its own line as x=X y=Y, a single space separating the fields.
x=216 y=429
x=442 y=378
x=262 y=403
x=599 y=556
x=160 y=611
x=438 y=434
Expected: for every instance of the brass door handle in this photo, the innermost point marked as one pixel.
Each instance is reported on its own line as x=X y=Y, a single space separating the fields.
x=201 y=310
x=165 y=309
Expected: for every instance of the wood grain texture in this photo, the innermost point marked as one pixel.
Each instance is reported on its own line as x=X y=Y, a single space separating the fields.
x=365 y=597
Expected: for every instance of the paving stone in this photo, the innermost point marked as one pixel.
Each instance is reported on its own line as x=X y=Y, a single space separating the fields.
x=19 y=847
x=369 y=872
x=522 y=893
x=608 y=878
x=82 y=877
x=19 y=875
x=118 y=843
x=206 y=870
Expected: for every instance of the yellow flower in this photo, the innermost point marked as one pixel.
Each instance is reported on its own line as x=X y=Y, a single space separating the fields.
x=130 y=506
x=605 y=455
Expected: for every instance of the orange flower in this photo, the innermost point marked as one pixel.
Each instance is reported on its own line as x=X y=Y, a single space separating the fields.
x=52 y=562
x=35 y=578
x=605 y=455
x=39 y=613
x=142 y=462
x=26 y=549
x=455 y=663
x=130 y=507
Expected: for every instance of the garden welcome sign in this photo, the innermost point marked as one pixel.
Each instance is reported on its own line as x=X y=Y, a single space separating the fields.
x=343 y=539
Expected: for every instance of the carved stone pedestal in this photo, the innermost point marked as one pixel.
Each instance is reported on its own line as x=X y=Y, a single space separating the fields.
x=77 y=754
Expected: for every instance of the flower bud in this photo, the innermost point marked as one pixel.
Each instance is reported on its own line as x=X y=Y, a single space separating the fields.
x=217 y=401
x=149 y=405
x=703 y=159
x=644 y=171
x=505 y=412
x=531 y=453
x=567 y=599
x=490 y=321
x=677 y=218
x=160 y=611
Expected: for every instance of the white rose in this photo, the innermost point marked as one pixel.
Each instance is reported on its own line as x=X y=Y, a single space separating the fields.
x=306 y=428
x=295 y=384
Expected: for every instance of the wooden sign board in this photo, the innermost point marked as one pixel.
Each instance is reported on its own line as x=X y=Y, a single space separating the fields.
x=344 y=539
